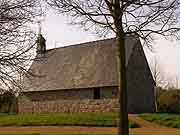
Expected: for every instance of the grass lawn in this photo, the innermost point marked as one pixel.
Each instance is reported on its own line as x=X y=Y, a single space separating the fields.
x=75 y=119
x=169 y=120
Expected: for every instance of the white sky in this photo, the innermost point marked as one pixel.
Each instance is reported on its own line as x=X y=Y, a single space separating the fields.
x=58 y=33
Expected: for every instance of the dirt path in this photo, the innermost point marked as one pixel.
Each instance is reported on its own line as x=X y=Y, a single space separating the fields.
x=143 y=123
x=57 y=129
x=151 y=128
x=71 y=129
x=146 y=128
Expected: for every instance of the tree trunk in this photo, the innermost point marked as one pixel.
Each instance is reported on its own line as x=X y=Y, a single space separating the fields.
x=123 y=112
x=117 y=14
x=9 y=107
x=122 y=81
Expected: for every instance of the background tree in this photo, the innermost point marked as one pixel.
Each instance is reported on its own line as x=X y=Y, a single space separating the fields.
x=17 y=38
x=140 y=18
x=159 y=79
x=8 y=99
x=163 y=83
x=158 y=73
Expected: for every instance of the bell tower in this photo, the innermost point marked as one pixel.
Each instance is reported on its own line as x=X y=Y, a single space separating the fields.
x=41 y=42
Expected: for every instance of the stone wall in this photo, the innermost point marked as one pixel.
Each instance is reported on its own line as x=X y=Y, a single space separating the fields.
x=140 y=99
x=68 y=101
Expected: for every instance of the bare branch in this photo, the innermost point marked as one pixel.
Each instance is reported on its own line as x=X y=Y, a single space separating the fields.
x=16 y=38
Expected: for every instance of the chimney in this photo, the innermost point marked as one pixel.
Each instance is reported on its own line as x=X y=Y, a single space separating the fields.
x=41 y=44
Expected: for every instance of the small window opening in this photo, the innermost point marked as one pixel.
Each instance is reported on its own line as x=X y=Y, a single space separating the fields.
x=96 y=93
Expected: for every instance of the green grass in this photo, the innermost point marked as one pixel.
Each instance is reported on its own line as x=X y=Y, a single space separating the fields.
x=76 y=119
x=169 y=120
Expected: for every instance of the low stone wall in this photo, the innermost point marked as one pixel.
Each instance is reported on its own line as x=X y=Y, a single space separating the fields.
x=68 y=106
x=82 y=100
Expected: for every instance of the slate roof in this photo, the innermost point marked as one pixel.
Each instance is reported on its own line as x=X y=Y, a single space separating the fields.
x=85 y=65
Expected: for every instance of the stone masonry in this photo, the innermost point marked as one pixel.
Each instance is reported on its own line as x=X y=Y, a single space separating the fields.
x=68 y=101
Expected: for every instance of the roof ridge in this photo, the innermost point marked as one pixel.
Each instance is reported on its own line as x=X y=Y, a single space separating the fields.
x=80 y=44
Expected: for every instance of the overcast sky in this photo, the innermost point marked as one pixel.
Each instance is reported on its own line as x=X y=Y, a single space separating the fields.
x=58 y=33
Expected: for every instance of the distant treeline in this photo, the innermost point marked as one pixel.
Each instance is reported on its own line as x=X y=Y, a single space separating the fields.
x=8 y=102
x=168 y=100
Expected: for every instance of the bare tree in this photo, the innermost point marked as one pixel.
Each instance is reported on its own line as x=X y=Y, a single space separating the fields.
x=16 y=37
x=141 y=18
x=172 y=83
x=157 y=73
x=159 y=79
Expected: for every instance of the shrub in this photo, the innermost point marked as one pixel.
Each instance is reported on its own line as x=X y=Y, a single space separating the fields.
x=168 y=100
x=7 y=102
